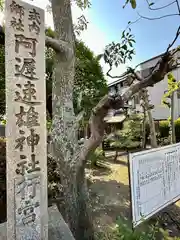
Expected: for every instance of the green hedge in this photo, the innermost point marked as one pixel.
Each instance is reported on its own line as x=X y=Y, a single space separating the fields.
x=164 y=128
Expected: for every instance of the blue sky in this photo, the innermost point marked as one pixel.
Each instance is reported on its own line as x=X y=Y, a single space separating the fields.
x=107 y=19
x=152 y=37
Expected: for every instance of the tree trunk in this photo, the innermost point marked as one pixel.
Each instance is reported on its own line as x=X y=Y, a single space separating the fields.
x=69 y=156
x=172 y=125
x=144 y=129
x=151 y=121
x=65 y=148
x=75 y=205
x=86 y=131
x=116 y=155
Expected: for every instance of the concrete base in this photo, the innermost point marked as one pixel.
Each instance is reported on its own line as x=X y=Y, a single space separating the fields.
x=57 y=228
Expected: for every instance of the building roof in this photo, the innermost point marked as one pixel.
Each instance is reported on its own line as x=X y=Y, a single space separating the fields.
x=148 y=60
x=157 y=56
x=117 y=81
x=115 y=119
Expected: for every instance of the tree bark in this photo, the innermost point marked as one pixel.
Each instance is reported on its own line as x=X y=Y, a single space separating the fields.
x=75 y=205
x=70 y=157
x=151 y=121
x=65 y=148
x=116 y=155
x=144 y=129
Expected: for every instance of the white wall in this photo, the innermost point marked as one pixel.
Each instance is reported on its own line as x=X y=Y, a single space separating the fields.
x=156 y=93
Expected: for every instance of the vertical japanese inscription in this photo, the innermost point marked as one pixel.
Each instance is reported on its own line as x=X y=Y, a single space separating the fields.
x=26 y=122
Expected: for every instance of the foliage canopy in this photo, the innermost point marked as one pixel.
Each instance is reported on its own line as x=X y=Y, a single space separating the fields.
x=89 y=85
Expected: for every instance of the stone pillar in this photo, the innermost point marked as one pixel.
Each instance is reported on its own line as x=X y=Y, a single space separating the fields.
x=27 y=216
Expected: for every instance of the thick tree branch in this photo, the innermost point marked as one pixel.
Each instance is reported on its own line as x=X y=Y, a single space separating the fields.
x=56 y=45
x=132 y=71
x=135 y=75
x=173 y=42
x=173 y=52
x=97 y=123
x=164 y=67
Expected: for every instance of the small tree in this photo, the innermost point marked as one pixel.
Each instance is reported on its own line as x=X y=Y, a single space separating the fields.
x=129 y=137
x=147 y=109
x=168 y=100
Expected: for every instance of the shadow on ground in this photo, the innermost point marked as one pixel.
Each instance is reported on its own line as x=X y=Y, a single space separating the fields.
x=169 y=219
x=110 y=199
x=101 y=170
x=118 y=161
x=110 y=196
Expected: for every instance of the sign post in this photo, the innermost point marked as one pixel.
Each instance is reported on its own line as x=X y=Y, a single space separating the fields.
x=27 y=216
x=154 y=180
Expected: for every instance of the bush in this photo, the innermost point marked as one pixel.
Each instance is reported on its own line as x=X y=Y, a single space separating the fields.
x=129 y=137
x=177 y=129
x=163 y=141
x=54 y=189
x=164 y=129
x=97 y=155
x=124 y=142
x=133 y=126
x=107 y=143
x=124 y=231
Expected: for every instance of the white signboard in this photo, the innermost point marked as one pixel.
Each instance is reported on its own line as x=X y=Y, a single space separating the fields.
x=155 y=181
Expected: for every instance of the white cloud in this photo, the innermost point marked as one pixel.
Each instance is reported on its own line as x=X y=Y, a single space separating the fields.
x=93 y=37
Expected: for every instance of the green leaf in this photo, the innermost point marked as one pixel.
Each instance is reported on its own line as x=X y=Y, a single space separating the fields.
x=1 y=5
x=133 y=3
x=132 y=40
x=151 y=4
x=123 y=34
x=122 y=53
x=124 y=47
x=130 y=44
x=99 y=57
